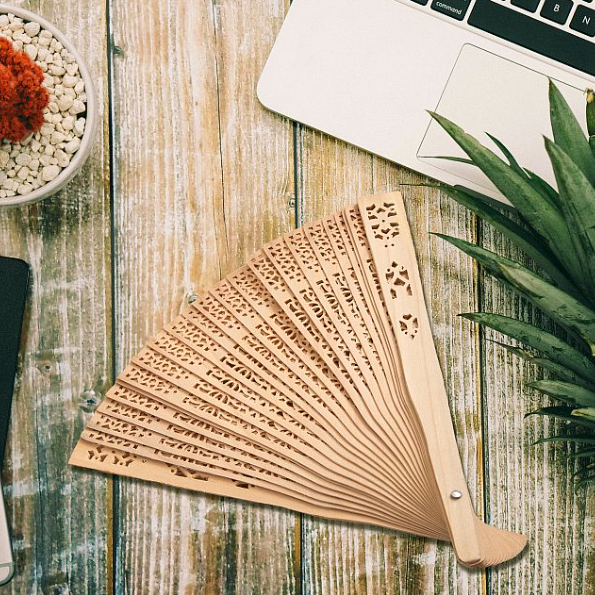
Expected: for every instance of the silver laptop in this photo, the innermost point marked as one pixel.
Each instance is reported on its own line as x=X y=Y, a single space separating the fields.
x=366 y=71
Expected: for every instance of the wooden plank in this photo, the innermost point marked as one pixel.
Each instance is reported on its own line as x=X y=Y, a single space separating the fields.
x=341 y=559
x=61 y=516
x=192 y=199
x=530 y=488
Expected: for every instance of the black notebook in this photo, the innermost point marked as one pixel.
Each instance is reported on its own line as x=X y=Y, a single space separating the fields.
x=14 y=279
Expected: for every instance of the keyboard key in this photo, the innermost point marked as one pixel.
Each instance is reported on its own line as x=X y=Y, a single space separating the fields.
x=453 y=8
x=537 y=36
x=583 y=21
x=530 y=5
x=556 y=10
x=422 y=2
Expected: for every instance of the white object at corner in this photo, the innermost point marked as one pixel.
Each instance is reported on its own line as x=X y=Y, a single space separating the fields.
x=366 y=71
x=6 y=559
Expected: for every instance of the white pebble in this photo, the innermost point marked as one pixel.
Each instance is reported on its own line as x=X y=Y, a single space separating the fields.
x=69 y=81
x=42 y=54
x=49 y=173
x=68 y=123
x=65 y=103
x=32 y=28
x=23 y=159
x=31 y=51
x=73 y=146
x=62 y=157
x=24 y=189
x=78 y=107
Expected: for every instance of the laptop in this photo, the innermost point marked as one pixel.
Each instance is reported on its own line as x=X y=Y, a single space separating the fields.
x=366 y=71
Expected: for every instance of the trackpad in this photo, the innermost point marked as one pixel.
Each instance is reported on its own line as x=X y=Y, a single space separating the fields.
x=487 y=93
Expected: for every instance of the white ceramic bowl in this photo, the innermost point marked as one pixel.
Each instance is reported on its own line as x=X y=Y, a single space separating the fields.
x=90 y=124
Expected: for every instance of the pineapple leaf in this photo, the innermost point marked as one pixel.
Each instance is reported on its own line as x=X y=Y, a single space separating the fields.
x=491 y=261
x=509 y=156
x=586 y=480
x=534 y=208
x=451 y=158
x=564 y=413
x=582 y=454
x=530 y=243
x=590 y=112
x=553 y=347
x=585 y=413
x=565 y=391
x=569 y=134
x=559 y=305
x=578 y=204
x=544 y=188
x=570 y=438
x=582 y=470
x=555 y=368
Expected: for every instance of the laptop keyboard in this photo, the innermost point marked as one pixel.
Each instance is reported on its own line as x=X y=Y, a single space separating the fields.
x=563 y=30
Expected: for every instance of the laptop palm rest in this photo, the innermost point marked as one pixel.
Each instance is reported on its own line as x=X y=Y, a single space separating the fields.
x=488 y=93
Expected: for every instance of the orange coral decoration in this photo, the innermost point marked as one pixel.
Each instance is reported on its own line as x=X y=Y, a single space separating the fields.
x=22 y=96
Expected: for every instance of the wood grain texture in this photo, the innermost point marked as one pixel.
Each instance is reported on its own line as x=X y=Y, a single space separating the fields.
x=203 y=176
x=529 y=488
x=338 y=558
x=61 y=516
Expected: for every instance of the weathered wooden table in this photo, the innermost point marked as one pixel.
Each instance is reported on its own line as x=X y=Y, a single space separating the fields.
x=188 y=177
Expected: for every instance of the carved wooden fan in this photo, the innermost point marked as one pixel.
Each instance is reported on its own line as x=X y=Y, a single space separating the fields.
x=307 y=379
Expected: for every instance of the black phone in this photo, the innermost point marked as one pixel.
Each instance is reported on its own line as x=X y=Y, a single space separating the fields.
x=14 y=282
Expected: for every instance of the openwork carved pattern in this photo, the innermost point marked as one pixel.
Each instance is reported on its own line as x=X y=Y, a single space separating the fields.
x=104 y=454
x=384 y=222
x=409 y=325
x=397 y=277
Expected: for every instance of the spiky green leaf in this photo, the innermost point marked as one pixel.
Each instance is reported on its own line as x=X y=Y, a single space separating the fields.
x=568 y=133
x=535 y=209
x=578 y=205
x=563 y=413
x=584 y=482
x=553 y=347
x=590 y=112
x=555 y=368
x=586 y=413
x=565 y=391
x=544 y=188
x=526 y=240
x=558 y=304
x=570 y=438
x=464 y=160
x=509 y=156
x=582 y=454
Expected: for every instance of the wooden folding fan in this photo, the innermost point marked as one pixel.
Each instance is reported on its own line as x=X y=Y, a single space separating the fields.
x=307 y=379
